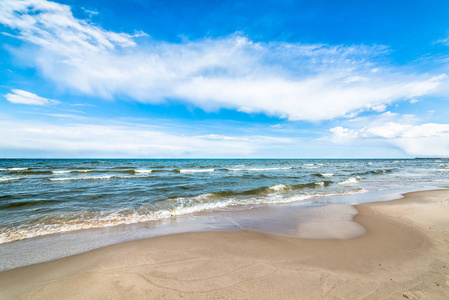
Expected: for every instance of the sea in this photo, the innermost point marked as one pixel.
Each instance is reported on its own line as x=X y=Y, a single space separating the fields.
x=54 y=197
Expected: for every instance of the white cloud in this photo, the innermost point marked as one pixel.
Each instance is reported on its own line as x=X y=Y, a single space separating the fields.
x=426 y=139
x=342 y=135
x=388 y=114
x=52 y=26
x=122 y=140
x=379 y=108
x=24 y=97
x=294 y=81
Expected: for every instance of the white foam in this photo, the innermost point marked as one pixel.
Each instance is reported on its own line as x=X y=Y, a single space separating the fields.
x=181 y=210
x=9 y=178
x=82 y=178
x=17 y=169
x=327 y=174
x=182 y=206
x=351 y=180
x=311 y=166
x=280 y=200
x=195 y=170
x=278 y=187
x=23 y=232
x=61 y=172
x=142 y=171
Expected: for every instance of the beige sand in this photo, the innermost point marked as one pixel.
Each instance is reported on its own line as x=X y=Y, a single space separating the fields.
x=403 y=255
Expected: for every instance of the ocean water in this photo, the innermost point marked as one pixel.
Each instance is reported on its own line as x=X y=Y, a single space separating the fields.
x=45 y=196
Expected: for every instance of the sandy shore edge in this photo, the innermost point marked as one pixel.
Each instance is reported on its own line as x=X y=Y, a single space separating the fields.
x=403 y=255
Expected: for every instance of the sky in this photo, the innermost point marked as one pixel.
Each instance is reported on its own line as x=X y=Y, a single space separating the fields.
x=224 y=79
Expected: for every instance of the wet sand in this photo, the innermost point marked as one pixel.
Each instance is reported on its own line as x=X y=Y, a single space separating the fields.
x=404 y=254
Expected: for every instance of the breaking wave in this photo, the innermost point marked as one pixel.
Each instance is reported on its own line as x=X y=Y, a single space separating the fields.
x=258 y=169
x=351 y=180
x=82 y=178
x=196 y=170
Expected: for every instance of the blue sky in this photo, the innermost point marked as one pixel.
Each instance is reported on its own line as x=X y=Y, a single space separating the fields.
x=224 y=79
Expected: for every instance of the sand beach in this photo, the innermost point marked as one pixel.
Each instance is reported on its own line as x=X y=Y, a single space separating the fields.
x=403 y=255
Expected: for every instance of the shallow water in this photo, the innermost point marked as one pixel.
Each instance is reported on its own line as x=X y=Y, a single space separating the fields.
x=41 y=197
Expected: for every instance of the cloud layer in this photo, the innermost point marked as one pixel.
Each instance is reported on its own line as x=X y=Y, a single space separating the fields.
x=294 y=81
x=91 y=139
x=429 y=139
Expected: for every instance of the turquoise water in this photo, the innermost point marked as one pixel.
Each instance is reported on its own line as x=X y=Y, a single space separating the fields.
x=40 y=197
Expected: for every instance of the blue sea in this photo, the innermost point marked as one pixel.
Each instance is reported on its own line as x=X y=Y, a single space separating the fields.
x=46 y=196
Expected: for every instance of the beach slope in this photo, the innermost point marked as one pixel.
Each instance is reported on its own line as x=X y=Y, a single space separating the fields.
x=403 y=255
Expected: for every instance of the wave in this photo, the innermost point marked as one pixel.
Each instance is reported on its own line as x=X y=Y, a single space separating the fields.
x=98 y=177
x=358 y=190
x=311 y=166
x=259 y=169
x=324 y=174
x=375 y=172
x=351 y=180
x=142 y=171
x=5 y=179
x=14 y=169
x=278 y=187
x=70 y=171
x=171 y=207
x=28 y=203
x=121 y=168
x=160 y=170
x=29 y=171
x=266 y=190
x=182 y=206
x=82 y=178
x=195 y=170
x=274 y=194
x=100 y=171
x=60 y=172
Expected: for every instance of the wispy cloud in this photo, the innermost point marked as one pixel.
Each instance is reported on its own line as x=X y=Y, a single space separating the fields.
x=294 y=81
x=24 y=97
x=53 y=27
x=83 y=104
x=251 y=139
x=90 y=12
x=91 y=139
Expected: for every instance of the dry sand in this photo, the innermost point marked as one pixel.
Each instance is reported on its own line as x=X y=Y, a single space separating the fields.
x=403 y=255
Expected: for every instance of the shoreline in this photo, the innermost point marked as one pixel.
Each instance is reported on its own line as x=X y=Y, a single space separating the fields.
x=403 y=254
